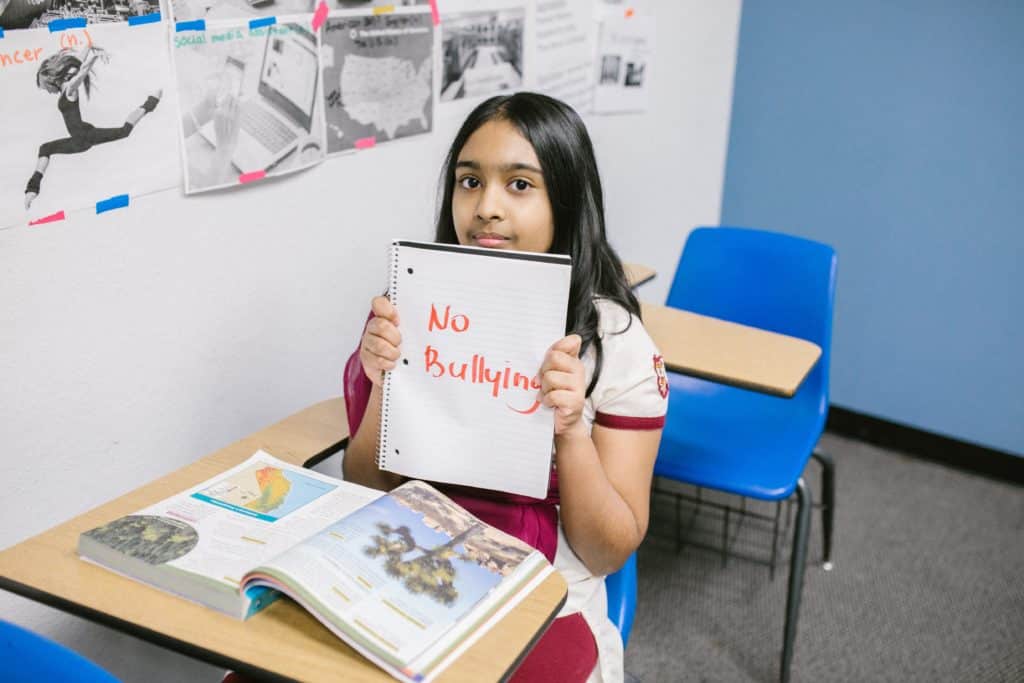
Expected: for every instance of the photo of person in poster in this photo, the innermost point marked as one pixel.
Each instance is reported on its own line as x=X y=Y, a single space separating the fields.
x=69 y=75
x=89 y=114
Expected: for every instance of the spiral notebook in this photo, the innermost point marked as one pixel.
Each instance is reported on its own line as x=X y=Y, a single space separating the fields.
x=463 y=404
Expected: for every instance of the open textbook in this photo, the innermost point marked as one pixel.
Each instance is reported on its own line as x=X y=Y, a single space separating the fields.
x=407 y=578
x=463 y=404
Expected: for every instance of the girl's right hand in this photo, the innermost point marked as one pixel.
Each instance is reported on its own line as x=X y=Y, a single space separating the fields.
x=378 y=349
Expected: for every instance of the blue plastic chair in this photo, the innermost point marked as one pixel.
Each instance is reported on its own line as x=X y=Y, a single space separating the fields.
x=740 y=441
x=26 y=657
x=621 y=589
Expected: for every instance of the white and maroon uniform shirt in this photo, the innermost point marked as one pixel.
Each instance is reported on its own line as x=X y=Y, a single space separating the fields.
x=631 y=393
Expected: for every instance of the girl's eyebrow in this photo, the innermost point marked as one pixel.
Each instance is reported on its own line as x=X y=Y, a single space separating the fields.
x=504 y=168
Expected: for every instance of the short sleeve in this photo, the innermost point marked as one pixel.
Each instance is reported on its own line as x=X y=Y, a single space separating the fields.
x=632 y=391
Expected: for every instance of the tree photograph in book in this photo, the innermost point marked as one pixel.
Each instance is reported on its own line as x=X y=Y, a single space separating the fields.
x=464 y=541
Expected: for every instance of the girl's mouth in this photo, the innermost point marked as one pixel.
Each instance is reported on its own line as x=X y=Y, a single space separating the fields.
x=490 y=239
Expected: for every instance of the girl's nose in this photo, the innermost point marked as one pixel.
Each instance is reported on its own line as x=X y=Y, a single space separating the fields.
x=490 y=207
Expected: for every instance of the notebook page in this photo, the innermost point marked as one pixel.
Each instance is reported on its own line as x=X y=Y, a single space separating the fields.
x=462 y=406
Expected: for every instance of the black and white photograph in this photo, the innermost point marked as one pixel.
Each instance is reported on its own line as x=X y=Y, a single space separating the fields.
x=611 y=66
x=19 y=14
x=250 y=102
x=482 y=53
x=370 y=4
x=87 y=117
x=627 y=44
x=634 y=74
x=377 y=77
x=190 y=10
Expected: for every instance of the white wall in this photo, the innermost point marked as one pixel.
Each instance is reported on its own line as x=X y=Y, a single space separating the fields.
x=137 y=341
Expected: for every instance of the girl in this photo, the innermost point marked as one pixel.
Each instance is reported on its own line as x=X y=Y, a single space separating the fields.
x=63 y=74
x=521 y=175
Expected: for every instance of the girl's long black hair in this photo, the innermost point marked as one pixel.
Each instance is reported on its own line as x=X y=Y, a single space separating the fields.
x=567 y=160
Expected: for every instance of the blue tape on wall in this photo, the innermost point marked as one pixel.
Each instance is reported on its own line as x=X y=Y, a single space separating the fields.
x=63 y=24
x=115 y=202
x=144 y=19
x=197 y=25
x=1 y=31
x=265 y=21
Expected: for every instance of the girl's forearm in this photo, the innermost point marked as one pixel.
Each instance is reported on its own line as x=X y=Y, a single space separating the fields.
x=360 y=462
x=598 y=523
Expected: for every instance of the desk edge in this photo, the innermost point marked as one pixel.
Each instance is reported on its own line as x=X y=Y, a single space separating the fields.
x=196 y=652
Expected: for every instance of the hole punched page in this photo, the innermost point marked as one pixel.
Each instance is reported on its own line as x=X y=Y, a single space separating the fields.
x=462 y=406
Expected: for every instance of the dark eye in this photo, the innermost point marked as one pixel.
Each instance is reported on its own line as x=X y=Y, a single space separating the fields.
x=469 y=182
x=520 y=185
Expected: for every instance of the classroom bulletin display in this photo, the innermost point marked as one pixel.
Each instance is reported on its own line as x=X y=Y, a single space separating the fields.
x=103 y=104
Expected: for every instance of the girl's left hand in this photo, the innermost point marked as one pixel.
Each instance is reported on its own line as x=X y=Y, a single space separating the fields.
x=563 y=382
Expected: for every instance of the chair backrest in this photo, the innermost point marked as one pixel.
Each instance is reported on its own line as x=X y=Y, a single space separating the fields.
x=765 y=279
x=28 y=658
x=621 y=589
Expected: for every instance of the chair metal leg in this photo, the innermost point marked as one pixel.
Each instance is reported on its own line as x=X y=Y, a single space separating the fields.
x=775 y=541
x=801 y=532
x=828 y=503
x=725 y=538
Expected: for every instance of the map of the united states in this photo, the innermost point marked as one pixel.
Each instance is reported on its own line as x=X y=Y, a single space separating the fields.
x=386 y=92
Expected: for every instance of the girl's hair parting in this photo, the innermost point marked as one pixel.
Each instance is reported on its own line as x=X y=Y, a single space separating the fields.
x=566 y=156
x=57 y=69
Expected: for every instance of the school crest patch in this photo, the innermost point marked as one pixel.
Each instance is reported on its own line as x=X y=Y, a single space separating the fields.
x=660 y=376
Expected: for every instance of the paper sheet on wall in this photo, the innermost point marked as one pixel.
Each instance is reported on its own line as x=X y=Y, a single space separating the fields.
x=625 y=51
x=21 y=14
x=377 y=75
x=78 y=139
x=190 y=10
x=462 y=406
x=564 y=49
x=250 y=101
x=482 y=49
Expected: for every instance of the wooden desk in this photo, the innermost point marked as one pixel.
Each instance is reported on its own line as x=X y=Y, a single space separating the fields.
x=638 y=274
x=281 y=641
x=728 y=352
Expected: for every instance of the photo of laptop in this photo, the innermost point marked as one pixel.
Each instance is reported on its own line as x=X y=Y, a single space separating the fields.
x=280 y=116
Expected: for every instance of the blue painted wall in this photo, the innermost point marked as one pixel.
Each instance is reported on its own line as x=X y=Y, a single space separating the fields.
x=895 y=132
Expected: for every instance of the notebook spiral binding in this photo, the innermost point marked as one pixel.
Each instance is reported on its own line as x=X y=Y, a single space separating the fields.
x=382 y=434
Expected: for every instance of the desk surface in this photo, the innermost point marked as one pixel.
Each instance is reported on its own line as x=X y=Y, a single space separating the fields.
x=637 y=274
x=282 y=640
x=729 y=353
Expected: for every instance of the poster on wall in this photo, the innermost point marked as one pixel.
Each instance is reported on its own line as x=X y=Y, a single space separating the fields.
x=565 y=38
x=370 y=4
x=625 y=52
x=377 y=75
x=191 y=10
x=19 y=14
x=250 y=102
x=482 y=53
x=89 y=114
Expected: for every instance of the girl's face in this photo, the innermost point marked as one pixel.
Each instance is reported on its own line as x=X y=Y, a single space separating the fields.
x=47 y=85
x=500 y=200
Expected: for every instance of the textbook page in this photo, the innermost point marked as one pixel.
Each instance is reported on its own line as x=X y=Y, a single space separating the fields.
x=200 y=542
x=405 y=579
x=463 y=404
